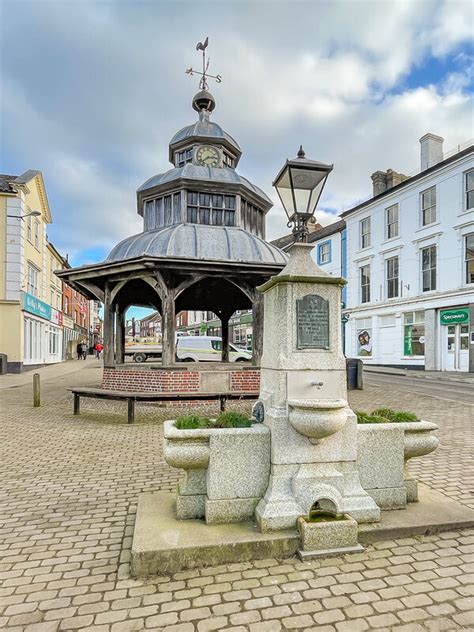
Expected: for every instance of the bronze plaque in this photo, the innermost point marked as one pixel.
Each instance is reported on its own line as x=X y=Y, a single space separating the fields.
x=312 y=322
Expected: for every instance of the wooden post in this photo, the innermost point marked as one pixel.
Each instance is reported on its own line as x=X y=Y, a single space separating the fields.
x=257 y=328
x=36 y=390
x=119 y=335
x=109 y=329
x=130 y=410
x=169 y=325
x=225 y=336
x=77 y=403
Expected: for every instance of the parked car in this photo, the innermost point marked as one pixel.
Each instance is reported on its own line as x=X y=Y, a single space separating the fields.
x=207 y=348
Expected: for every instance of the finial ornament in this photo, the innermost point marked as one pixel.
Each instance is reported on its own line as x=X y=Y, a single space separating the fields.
x=301 y=153
x=205 y=65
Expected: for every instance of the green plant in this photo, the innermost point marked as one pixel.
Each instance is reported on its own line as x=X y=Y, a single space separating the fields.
x=232 y=419
x=191 y=422
x=394 y=415
x=366 y=418
x=385 y=415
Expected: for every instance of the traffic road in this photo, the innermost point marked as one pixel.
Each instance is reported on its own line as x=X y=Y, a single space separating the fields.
x=446 y=389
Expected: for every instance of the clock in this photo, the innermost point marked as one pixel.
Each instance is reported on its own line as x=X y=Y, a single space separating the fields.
x=208 y=156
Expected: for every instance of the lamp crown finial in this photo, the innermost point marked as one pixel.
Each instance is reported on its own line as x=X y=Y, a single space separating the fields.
x=301 y=153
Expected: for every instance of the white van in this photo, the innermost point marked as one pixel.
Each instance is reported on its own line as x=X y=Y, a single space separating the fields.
x=207 y=348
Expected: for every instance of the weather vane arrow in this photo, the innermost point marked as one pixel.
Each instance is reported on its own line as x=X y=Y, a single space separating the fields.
x=205 y=65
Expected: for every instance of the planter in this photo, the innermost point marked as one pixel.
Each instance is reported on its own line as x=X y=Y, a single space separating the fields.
x=328 y=537
x=226 y=470
x=317 y=418
x=382 y=454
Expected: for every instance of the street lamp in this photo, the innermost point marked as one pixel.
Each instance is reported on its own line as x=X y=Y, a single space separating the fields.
x=299 y=184
x=30 y=214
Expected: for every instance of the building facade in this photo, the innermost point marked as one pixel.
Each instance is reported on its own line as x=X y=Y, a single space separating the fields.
x=32 y=296
x=408 y=255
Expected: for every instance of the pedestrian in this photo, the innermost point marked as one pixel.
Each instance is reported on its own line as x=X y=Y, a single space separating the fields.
x=98 y=349
x=84 y=351
x=79 y=350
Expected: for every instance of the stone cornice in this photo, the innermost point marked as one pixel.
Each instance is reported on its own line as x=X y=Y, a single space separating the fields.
x=293 y=278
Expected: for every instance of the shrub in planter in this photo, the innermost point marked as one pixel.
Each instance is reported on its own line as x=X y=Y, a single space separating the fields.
x=191 y=422
x=384 y=416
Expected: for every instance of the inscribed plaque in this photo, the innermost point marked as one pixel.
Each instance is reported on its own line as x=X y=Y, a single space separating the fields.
x=312 y=322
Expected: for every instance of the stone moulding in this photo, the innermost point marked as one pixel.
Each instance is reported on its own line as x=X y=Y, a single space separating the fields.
x=226 y=470
x=383 y=452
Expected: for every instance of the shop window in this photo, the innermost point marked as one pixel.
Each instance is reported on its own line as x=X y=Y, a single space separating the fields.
x=391 y=271
x=428 y=206
x=469 y=258
x=364 y=337
x=469 y=189
x=391 y=222
x=365 y=284
x=365 y=233
x=414 y=333
x=428 y=268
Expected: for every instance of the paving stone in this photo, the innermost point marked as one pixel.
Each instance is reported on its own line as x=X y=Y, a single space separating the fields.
x=69 y=554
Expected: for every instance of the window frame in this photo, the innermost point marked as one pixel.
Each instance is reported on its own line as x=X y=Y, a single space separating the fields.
x=367 y=235
x=466 y=191
x=33 y=281
x=196 y=211
x=430 y=269
x=389 y=224
x=394 y=280
x=431 y=208
x=468 y=261
x=184 y=156
x=321 y=254
x=414 y=322
x=364 y=289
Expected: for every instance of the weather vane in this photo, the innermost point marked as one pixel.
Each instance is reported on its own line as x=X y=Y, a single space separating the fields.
x=205 y=65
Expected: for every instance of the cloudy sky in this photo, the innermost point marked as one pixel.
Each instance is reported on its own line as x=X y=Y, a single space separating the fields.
x=92 y=92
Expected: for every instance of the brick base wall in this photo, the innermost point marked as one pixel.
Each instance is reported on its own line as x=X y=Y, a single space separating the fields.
x=167 y=380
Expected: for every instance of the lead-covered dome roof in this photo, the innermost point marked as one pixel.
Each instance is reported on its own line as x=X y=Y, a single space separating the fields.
x=199 y=241
x=200 y=173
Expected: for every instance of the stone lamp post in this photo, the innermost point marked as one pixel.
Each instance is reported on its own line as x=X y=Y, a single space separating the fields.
x=303 y=392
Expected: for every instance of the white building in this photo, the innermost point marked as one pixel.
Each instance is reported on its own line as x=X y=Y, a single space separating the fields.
x=410 y=265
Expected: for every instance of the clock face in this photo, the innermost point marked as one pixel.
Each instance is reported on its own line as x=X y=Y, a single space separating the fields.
x=208 y=156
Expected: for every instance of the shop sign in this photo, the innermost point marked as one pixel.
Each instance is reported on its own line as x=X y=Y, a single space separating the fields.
x=56 y=317
x=35 y=306
x=68 y=322
x=454 y=316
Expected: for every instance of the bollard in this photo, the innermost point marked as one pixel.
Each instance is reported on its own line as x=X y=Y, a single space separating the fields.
x=36 y=390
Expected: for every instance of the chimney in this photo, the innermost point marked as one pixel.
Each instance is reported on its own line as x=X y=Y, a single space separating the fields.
x=431 y=150
x=384 y=180
x=379 y=182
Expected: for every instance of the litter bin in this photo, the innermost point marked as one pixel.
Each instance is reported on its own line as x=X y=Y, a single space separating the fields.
x=3 y=363
x=354 y=369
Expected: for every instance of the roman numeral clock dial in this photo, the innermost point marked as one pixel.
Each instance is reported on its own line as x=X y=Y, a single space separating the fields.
x=208 y=156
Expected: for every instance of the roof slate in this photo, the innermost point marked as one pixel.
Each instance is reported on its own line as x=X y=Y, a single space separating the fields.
x=4 y=183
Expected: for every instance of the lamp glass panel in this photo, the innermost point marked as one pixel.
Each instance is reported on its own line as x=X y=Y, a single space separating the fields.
x=305 y=182
x=283 y=186
x=315 y=194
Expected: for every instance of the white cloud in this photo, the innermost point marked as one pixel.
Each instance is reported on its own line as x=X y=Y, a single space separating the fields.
x=96 y=90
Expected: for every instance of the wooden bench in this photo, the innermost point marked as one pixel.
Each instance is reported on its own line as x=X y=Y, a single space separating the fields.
x=133 y=397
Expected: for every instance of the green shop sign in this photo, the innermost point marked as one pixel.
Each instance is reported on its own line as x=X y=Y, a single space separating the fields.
x=454 y=316
x=35 y=306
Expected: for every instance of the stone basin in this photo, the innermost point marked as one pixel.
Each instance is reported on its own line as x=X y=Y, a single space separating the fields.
x=317 y=418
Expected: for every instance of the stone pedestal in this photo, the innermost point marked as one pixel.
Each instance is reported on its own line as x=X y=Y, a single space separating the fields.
x=304 y=395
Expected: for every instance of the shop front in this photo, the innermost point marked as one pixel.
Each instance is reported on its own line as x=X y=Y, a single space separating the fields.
x=455 y=342
x=36 y=319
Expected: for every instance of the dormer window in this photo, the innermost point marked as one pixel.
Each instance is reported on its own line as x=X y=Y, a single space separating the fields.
x=228 y=160
x=183 y=157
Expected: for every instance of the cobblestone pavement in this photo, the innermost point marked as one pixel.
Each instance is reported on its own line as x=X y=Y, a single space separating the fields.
x=68 y=496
